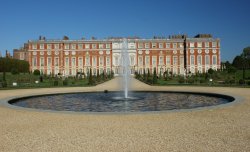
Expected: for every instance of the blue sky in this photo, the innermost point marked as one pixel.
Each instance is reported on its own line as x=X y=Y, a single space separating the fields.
x=22 y=20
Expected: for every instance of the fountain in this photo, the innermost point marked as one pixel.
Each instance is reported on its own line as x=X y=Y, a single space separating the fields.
x=125 y=67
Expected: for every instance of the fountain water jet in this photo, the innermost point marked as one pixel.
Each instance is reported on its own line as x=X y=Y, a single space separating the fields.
x=125 y=67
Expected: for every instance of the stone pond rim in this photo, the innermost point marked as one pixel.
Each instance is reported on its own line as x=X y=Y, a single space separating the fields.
x=155 y=101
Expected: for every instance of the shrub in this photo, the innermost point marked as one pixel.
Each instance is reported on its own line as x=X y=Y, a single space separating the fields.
x=231 y=69
x=112 y=74
x=191 y=80
x=241 y=81
x=104 y=76
x=248 y=83
x=154 y=77
x=4 y=76
x=137 y=75
x=41 y=78
x=181 y=80
x=56 y=83
x=36 y=72
x=231 y=81
x=14 y=71
x=227 y=81
x=98 y=77
x=3 y=84
x=7 y=64
x=149 y=80
x=202 y=81
x=65 y=82
x=91 y=79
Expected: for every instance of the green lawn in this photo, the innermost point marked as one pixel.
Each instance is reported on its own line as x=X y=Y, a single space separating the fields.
x=29 y=81
x=219 y=78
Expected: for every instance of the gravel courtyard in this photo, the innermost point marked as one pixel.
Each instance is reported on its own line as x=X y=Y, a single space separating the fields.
x=225 y=128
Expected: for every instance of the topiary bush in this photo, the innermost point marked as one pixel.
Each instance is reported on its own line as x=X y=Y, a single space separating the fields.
x=191 y=80
x=202 y=81
x=149 y=80
x=3 y=84
x=56 y=83
x=41 y=78
x=36 y=72
x=231 y=81
x=14 y=71
x=181 y=80
x=154 y=77
x=65 y=82
x=241 y=81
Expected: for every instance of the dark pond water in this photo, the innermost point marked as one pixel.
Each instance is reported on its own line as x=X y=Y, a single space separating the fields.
x=114 y=101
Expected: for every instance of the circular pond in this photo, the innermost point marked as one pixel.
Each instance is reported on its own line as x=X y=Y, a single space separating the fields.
x=114 y=101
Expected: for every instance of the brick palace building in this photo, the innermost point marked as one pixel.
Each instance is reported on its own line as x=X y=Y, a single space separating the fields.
x=178 y=54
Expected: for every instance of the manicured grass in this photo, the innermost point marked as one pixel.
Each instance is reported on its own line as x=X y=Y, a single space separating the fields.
x=25 y=80
x=219 y=78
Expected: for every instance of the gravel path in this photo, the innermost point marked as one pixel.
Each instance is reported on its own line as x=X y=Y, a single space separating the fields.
x=224 y=128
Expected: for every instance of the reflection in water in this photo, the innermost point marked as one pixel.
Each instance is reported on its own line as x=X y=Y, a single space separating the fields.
x=109 y=102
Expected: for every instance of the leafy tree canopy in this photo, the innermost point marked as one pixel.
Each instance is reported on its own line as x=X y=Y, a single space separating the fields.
x=8 y=65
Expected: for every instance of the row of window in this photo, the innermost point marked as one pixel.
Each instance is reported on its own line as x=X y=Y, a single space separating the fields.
x=65 y=52
x=177 y=45
x=203 y=44
x=175 y=60
x=70 y=46
x=140 y=45
x=101 y=59
x=117 y=60
x=199 y=60
x=160 y=45
x=73 y=61
x=161 y=60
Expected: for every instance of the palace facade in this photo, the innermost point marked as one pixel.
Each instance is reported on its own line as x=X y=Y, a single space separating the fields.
x=177 y=54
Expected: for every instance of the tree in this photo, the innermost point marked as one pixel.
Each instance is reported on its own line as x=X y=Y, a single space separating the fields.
x=242 y=61
x=246 y=52
x=4 y=76
x=154 y=77
x=103 y=76
x=137 y=75
x=4 y=83
x=210 y=71
x=98 y=78
x=231 y=69
x=91 y=80
x=225 y=65
x=246 y=60
x=148 y=75
x=112 y=74
x=165 y=75
x=238 y=62
x=144 y=74
x=8 y=64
